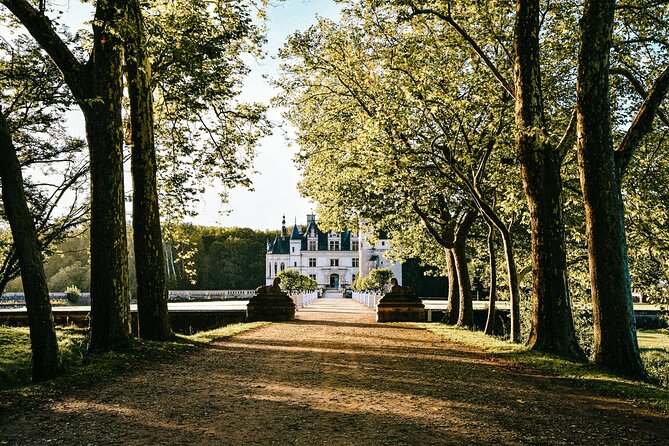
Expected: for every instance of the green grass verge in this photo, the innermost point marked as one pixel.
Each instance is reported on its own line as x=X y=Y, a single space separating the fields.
x=654 y=346
x=79 y=369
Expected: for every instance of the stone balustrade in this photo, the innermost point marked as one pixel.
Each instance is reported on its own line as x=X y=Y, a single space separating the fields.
x=368 y=298
x=302 y=299
x=192 y=295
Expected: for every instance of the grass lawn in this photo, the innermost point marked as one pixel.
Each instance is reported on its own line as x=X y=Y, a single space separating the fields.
x=79 y=369
x=654 y=346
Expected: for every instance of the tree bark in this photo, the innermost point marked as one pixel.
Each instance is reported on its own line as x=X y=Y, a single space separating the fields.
x=466 y=313
x=552 y=323
x=492 y=295
x=453 y=306
x=615 y=344
x=97 y=87
x=43 y=342
x=110 y=298
x=154 y=319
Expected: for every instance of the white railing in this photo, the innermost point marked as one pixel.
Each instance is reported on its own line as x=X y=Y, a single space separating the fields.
x=369 y=298
x=304 y=298
x=186 y=295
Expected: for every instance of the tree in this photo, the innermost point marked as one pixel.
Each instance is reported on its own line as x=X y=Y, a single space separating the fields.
x=153 y=317
x=33 y=105
x=34 y=98
x=293 y=281
x=376 y=280
x=97 y=87
x=43 y=340
x=412 y=127
x=601 y=171
x=540 y=160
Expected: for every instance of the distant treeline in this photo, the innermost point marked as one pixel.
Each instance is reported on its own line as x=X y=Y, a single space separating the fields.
x=197 y=257
x=200 y=258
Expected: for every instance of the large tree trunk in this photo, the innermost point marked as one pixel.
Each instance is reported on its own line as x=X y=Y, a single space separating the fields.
x=110 y=300
x=466 y=314
x=613 y=312
x=552 y=323
x=492 y=295
x=97 y=87
x=43 y=342
x=154 y=319
x=453 y=306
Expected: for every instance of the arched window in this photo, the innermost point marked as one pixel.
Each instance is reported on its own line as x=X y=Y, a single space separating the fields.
x=269 y=269
x=275 y=268
x=283 y=266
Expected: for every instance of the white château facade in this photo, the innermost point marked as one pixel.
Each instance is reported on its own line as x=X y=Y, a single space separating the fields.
x=333 y=260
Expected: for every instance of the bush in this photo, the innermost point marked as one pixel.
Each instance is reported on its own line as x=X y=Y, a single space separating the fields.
x=292 y=280
x=72 y=293
x=374 y=281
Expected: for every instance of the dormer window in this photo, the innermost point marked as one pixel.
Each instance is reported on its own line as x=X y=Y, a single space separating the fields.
x=334 y=245
x=312 y=245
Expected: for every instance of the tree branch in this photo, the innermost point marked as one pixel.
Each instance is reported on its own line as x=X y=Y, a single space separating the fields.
x=569 y=138
x=39 y=26
x=475 y=46
x=638 y=86
x=643 y=122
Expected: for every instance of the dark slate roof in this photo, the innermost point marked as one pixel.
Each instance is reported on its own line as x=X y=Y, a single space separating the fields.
x=281 y=245
x=296 y=233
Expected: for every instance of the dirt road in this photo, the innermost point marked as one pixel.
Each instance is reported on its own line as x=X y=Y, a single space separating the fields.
x=334 y=377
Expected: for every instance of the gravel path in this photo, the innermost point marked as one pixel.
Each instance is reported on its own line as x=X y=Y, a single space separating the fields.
x=334 y=377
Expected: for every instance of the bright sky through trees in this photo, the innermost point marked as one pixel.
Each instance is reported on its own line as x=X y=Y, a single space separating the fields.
x=275 y=182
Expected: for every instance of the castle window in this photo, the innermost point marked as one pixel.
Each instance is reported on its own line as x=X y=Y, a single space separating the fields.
x=355 y=245
x=283 y=266
x=312 y=262
x=295 y=264
x=293 y=248
x=334 y=245
x=355 y=262
x=312 y=245
x=334 y=262
x=269 y=270
x=275 y=268
x=312 y=276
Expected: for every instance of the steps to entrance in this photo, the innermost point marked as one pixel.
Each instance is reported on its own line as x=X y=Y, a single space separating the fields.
x=336 y=310
x=333 y=294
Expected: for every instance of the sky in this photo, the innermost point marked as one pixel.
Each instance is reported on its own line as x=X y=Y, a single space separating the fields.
x=274 y=191
x=275 y=185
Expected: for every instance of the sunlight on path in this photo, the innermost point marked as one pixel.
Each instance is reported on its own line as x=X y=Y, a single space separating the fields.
x=335 y=377
x=336 y=310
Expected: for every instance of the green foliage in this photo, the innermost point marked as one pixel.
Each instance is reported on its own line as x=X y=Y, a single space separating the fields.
x=292 y=280
x=34 y=101
x=217 y=258
x=376 y=280
x=203 y=131
x=72 y=294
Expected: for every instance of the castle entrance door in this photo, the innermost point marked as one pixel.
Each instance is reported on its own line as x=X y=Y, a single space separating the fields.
x=334 y=281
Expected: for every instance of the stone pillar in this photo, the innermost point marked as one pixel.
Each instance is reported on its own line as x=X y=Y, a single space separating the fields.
x=400 y=304
x=270 y=304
